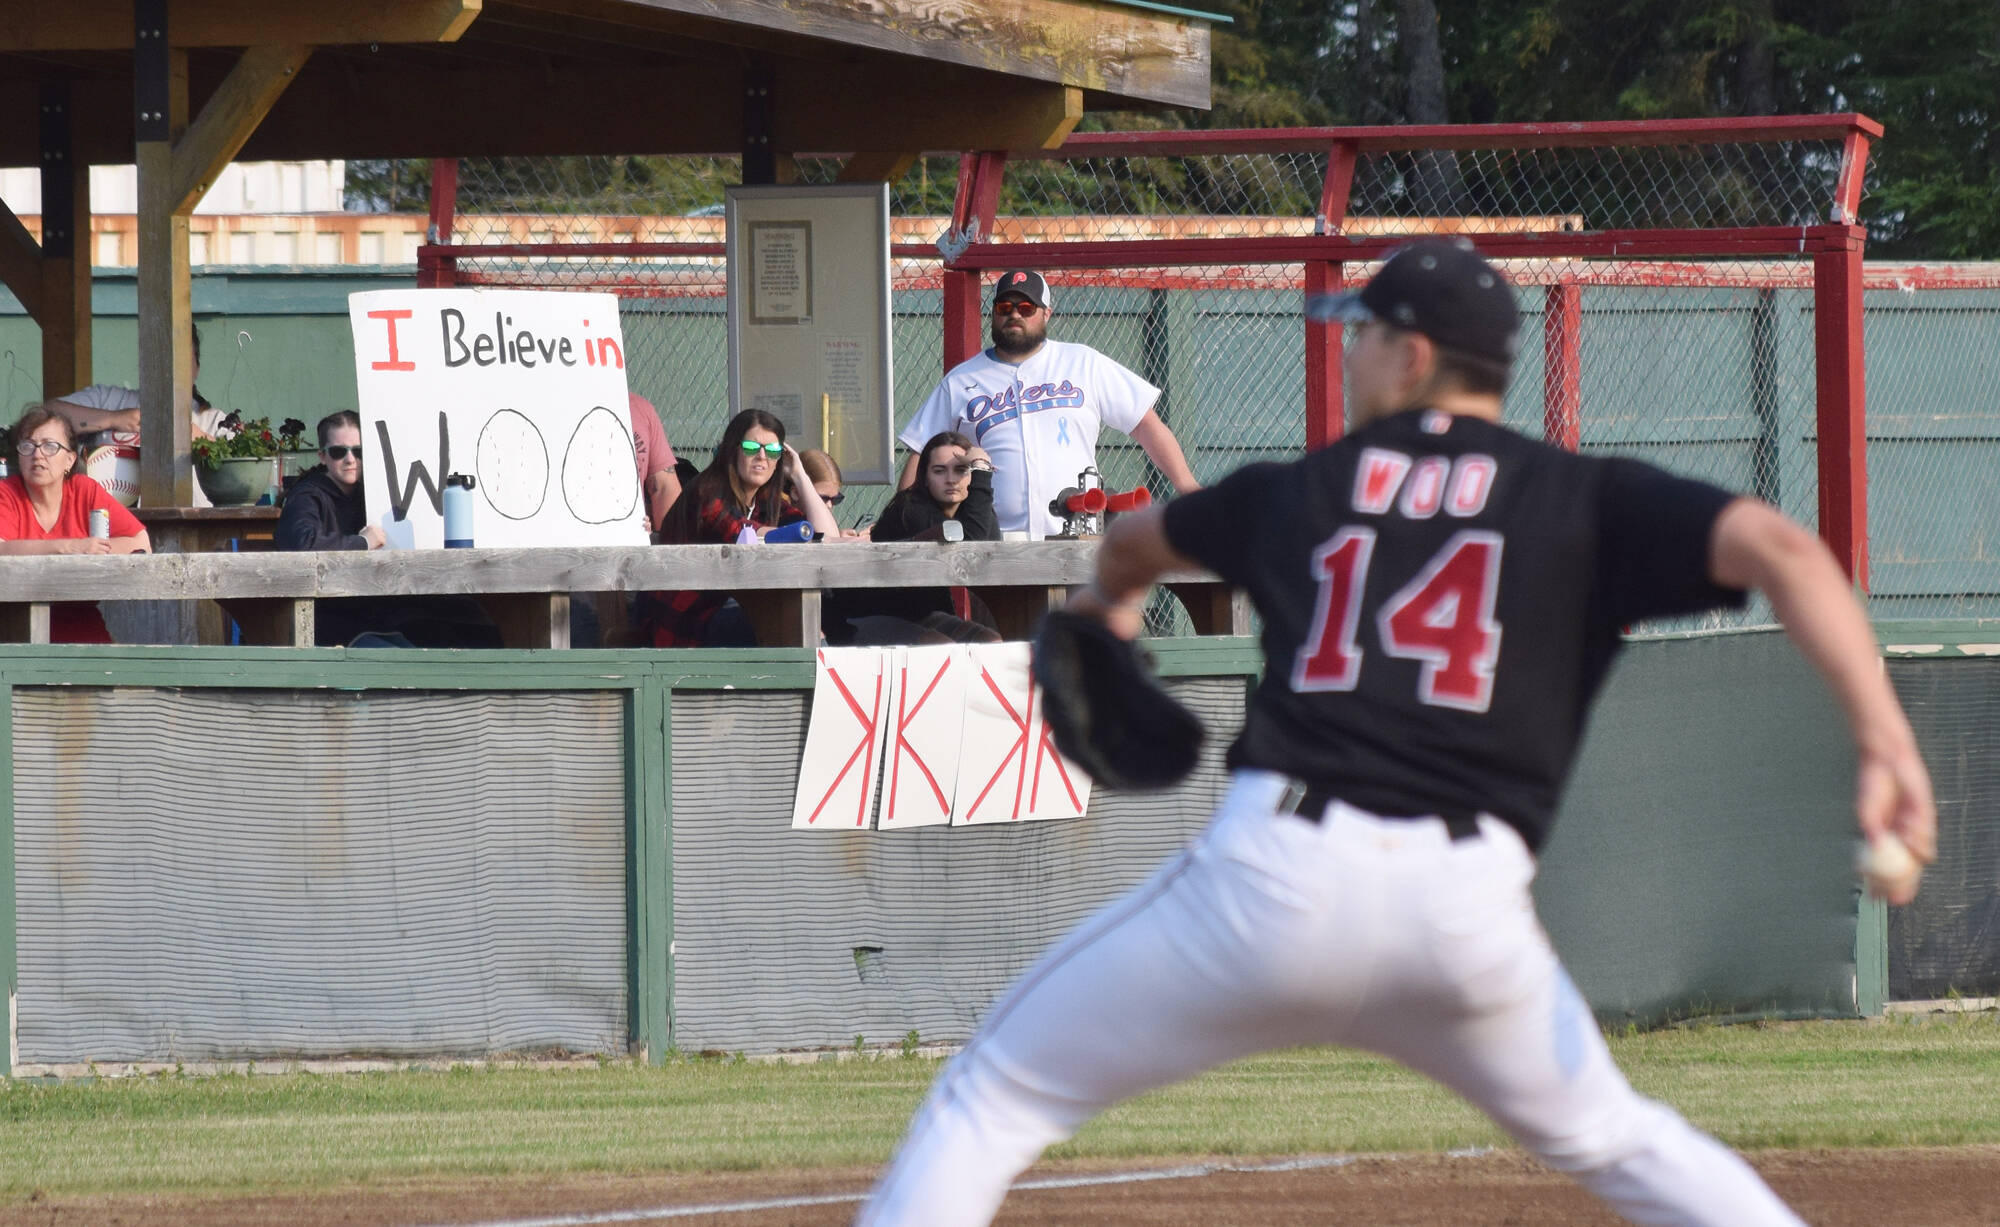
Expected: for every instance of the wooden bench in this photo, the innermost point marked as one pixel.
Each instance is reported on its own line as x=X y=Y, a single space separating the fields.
x=271 y=595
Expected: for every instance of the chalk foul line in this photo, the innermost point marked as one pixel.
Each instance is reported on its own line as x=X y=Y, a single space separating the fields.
x=1186 y=1172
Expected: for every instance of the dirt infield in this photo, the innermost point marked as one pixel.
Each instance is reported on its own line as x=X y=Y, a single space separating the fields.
x=1953 y=1187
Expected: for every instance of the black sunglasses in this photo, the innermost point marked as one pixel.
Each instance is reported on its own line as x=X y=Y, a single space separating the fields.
x=832 y=500
x=338 y=451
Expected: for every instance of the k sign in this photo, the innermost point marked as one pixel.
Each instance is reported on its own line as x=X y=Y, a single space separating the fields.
x=1009 y=769
x=524 y=390
x=837 y=774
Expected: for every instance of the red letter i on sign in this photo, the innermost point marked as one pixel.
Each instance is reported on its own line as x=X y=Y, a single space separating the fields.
x=395 y=362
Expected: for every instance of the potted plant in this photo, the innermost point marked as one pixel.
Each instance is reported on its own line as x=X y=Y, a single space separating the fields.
x=298 y=448
x=240 y=467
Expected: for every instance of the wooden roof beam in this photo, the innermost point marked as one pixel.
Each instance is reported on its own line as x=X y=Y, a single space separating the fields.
x=20 y=262
x=838 y=108
x=1133 y=54
x=228 y=118
x=106 y=25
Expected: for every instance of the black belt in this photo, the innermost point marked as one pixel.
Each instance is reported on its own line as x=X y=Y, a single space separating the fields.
x=1311 y=804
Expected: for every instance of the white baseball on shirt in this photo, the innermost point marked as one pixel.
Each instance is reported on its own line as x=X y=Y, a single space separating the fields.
x=115 y=399
x=1038 y=420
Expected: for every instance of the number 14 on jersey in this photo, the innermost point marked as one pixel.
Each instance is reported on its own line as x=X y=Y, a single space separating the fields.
x=1443 y=617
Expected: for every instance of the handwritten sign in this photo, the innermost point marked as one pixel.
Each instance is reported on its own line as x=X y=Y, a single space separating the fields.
x=524 y=390
x=844 y=740
x=1009 y=769
x=945 y=734
x=921 y=735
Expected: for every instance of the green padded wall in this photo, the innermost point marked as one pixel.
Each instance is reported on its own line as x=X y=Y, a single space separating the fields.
x=1702 y=863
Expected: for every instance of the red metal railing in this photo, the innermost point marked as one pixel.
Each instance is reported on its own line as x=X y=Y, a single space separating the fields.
x=1834 y=248
x=1824 y=253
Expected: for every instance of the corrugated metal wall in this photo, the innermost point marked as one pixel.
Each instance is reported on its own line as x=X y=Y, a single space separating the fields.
x=217 y=874
x=787 y=939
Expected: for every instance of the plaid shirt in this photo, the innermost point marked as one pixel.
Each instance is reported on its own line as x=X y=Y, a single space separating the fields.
x=680 y=619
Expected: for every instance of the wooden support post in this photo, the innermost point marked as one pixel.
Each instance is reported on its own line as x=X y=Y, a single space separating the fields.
x=177 y=162
x=281 y=622
x=24 y=622
x=1017 y=610
x=65 y=273
x=783 y=618
x=166 y=324
x=529 y=619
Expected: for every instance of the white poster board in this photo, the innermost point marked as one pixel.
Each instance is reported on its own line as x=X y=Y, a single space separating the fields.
x=809 y=318
x=925 y=720
x=837 y=773
x=522 y=389
x=929 y=736
x=1009 y=769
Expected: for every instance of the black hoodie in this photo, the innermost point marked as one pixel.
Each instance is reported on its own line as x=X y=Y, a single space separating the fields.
x=319 y=515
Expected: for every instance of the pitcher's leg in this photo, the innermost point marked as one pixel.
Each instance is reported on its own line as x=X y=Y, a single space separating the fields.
x=1163 y=984
x=1541 y=1070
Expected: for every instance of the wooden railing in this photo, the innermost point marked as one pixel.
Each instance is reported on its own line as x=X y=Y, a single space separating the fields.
x=271 y=595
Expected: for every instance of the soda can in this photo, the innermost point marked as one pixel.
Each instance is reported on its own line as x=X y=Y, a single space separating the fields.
x=100 y=523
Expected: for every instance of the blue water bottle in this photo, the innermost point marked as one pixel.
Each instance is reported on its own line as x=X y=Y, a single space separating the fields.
x=790 y=534
x=458 y=511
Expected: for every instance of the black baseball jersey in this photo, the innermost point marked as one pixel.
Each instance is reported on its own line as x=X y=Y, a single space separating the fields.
x=1442 y=598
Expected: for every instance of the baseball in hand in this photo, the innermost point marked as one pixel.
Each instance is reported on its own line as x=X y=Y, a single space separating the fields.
x=1888 y=868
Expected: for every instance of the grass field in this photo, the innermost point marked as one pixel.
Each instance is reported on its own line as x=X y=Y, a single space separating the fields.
x=1931 y=1082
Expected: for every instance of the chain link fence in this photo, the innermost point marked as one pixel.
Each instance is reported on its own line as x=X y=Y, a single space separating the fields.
x=1932 y=346
x=1704 y=365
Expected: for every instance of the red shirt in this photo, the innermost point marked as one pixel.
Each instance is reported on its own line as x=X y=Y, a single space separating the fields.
x=649 y=450
x=69 y=621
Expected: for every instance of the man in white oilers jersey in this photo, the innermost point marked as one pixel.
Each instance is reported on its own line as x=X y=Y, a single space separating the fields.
x=1441 y=598
x=1035 y=406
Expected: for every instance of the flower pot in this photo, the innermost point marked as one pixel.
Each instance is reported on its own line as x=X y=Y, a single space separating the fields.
x=238 y=482
x=294 y=463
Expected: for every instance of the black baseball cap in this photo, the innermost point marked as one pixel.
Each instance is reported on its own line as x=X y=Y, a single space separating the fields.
x=1029 y=285
x=1440 y=288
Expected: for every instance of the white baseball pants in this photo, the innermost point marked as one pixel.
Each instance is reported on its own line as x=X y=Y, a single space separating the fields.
x=1271 y=931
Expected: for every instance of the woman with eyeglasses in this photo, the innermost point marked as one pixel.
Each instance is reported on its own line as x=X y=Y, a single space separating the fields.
x=45 y=508
x=827 y=481
x=739 y=498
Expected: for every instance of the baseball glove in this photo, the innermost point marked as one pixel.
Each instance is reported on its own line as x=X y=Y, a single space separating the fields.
x=1106 y=710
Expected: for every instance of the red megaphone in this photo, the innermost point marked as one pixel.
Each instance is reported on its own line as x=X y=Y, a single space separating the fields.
x=1079 y=502
x=1131 y=500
